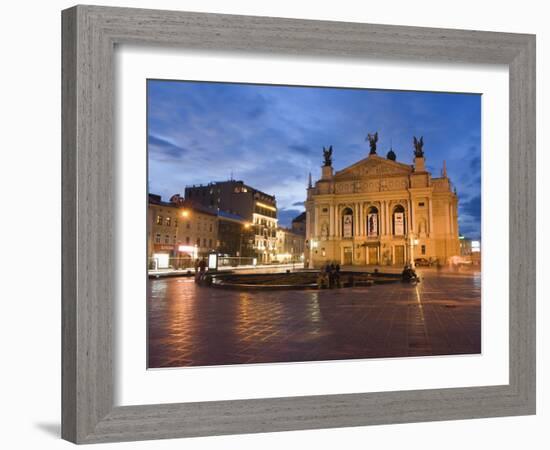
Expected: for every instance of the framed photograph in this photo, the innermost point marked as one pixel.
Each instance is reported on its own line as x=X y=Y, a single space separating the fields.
x=279 y=224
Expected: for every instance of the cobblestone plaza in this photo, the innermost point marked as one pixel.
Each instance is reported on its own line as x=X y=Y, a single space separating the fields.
x=190 y=325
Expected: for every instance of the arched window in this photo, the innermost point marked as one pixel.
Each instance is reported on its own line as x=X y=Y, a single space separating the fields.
x=347 y=223
x=398 y=221
x=372 y=221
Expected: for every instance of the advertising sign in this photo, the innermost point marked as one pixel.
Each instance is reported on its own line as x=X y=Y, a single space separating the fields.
x=372 y=224
x=399 y=223
x=348 y=225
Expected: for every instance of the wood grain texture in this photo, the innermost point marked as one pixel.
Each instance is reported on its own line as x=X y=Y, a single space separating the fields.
x=89 y=36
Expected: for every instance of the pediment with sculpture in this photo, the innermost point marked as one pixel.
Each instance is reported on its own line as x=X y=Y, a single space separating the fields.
x=372 y=167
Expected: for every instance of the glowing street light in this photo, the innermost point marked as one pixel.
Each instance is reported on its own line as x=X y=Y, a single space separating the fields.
x=185 y=213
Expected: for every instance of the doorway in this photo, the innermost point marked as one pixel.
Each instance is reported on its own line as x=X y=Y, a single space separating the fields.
x=348 y=256
x=400 y=255
x=373 y=255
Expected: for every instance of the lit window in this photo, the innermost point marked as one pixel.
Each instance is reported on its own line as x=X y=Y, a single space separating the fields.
x=168 y=221
x=159 y=220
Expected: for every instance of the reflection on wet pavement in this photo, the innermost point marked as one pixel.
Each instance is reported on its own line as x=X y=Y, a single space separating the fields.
x=189 y=325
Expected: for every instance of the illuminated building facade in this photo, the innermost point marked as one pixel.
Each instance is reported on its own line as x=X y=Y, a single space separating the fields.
x=290 y=246
x=381 y=212
x=253 y=205
x=179 y=232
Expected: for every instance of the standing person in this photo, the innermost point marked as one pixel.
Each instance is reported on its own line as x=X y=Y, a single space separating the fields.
x=337 y=275
x=202 y=266
x=197 y=262
x=330 y=274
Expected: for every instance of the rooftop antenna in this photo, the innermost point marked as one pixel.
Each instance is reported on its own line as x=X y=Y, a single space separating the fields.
x=309 y=184
x=231 y=175
x=444 y=171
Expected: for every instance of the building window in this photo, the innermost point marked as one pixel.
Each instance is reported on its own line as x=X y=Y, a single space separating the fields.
x=398 y=219
x=187 y=240
x=187 y=225
x=423 y=249
x=166 y=239
x=159 y=220
x=325 y=210
x=198 y=242
x=372 y=221
x=157 y=238
x=204 y=242
x=421 y=204
x=174 y=240
x=168 y=221
x=176 y=222
x=347 y=223
x=210 y=243
x=210 y=226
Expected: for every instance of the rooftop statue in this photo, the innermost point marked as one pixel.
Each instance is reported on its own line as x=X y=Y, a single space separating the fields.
x=373 y=139
x=418 y=147
x=327 y=154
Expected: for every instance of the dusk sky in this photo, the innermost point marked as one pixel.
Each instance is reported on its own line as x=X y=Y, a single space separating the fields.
x=271 y=137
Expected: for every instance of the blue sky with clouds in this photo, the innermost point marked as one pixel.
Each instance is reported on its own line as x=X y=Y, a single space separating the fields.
x=271 y=137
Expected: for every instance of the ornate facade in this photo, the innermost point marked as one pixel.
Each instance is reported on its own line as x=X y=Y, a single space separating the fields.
x=381 y=212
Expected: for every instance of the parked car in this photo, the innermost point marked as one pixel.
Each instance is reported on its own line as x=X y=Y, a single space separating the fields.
x=422 y=262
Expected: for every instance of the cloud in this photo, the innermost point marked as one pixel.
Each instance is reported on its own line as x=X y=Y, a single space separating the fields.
x=161 y=148
x=300 y=148
x=472 y=207
x=285 y=216
x=271 y=137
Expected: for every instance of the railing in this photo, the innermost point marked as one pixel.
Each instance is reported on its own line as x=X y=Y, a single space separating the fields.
x=235 y=261
x=170 y=264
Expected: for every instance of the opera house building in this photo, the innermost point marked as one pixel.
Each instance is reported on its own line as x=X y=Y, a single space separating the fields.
x=380 y=212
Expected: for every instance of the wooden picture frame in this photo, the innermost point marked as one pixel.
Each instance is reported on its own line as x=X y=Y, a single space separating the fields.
x=90 y=34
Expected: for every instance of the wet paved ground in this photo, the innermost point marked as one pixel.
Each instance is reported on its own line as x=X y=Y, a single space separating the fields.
x=198 y=326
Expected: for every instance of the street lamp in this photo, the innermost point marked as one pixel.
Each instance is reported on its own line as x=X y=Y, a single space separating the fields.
x=185 y=213
x=413 y=241
x=246 y=226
